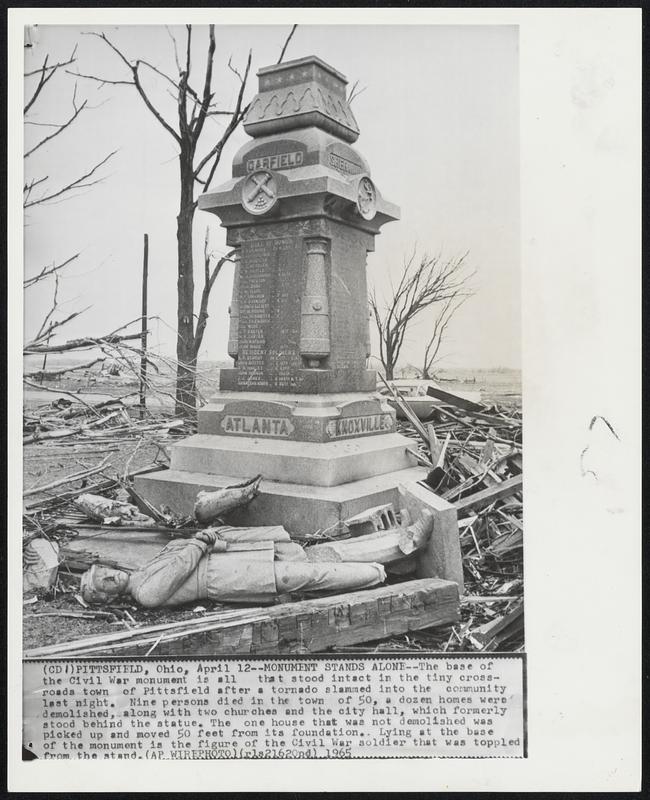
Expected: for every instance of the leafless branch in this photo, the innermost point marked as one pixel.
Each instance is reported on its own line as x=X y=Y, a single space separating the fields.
x=27 y=188
x=158 y=71
x=355 y=92
x=46 y=271
x=46 y=73
x=55 y=373
x=207 y=88
x=286 y=44
x=434 y=344
x=100 y=80
x=175 y=45
x=209 y=278
x=84 y=342
x=133 y=68
x=45 y=68
x=59 y=130
x=423 y=283
x=78 y=183
x=236 y=118
x=43 y=331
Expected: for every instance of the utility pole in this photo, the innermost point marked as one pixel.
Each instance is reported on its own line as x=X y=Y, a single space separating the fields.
x=143 y=340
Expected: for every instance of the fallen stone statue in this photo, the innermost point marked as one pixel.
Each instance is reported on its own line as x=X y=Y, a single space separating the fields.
x=233 y=565
x=206 y=567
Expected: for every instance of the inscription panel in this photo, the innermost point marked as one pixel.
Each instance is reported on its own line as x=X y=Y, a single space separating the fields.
x=357 y=426
x=343 y=165
x=257 y=426
x=278 y=161
x=269 y=308
x=281 y=155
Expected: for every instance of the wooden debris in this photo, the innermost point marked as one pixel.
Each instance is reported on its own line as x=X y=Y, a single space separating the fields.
x=308 y=626
x=492 y=634
x=496 y=492
x=453 y=399
x=408 y=412
x=475 y=451
x=67 y=479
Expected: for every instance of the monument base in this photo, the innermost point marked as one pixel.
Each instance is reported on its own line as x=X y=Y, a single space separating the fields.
x=312 y=463
x=296 y=417
x=300 y=508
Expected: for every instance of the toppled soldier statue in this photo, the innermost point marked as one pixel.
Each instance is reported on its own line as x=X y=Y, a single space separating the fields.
x=236 y=565
x=207 y=567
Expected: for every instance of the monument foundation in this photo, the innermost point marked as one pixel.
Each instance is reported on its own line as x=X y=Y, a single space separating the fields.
x=299 y=406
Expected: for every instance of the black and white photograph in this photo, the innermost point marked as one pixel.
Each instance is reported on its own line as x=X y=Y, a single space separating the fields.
x=237 y=392
x=278 y=290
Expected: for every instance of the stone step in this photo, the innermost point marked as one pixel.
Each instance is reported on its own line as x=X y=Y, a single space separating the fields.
x=308 y=463
x=300 y=508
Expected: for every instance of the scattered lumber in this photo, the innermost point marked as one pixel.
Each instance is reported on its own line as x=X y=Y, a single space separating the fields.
x=492 y=634
x=476 y=455
x=491 y=494
x=453 y=399
x=407 y=411
x=483 y=479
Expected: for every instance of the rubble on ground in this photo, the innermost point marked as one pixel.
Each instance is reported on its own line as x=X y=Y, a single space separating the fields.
x=473 y=454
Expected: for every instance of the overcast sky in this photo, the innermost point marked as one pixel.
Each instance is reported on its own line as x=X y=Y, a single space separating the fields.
x=439 y=127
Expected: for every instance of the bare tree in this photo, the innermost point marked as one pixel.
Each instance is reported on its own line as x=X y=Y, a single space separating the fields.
x=46 y=191
x=424 y=282
x=36 y=81
x=197 y=168
x=432 y=350
x=210 y=275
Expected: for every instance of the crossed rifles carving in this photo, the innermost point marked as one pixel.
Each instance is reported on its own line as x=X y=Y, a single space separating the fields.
x=260 y=186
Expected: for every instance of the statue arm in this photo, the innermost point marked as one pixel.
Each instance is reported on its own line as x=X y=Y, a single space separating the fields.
x=156 y=582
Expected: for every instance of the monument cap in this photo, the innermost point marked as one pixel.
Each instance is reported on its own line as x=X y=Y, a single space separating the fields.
x=305 y=92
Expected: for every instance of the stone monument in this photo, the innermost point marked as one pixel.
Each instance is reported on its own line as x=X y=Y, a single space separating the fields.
x=299 y=406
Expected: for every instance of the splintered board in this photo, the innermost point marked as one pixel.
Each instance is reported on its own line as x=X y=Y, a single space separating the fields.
x=308 y=626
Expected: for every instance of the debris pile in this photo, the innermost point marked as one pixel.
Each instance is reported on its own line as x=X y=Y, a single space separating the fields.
x=472 y=453
x=474 y=456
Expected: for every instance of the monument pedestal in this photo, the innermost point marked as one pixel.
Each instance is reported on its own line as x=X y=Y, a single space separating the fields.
x=299 y=507
x=323 y=458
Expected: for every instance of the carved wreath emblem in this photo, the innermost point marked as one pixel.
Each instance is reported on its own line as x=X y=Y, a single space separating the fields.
x=260 y=192
x=366 y=198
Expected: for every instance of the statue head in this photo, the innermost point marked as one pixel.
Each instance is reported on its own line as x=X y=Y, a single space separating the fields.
x=102 y=584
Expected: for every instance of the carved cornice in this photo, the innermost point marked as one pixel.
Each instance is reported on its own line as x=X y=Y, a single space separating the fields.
x=296 y=98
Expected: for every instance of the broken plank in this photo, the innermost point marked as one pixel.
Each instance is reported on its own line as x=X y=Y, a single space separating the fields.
x=485 y=633
x=453 y=399
x=307 y=626
x=493 y=419
x=490 y=494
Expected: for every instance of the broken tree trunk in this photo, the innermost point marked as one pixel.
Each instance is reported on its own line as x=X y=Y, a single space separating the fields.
x=310 y=626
